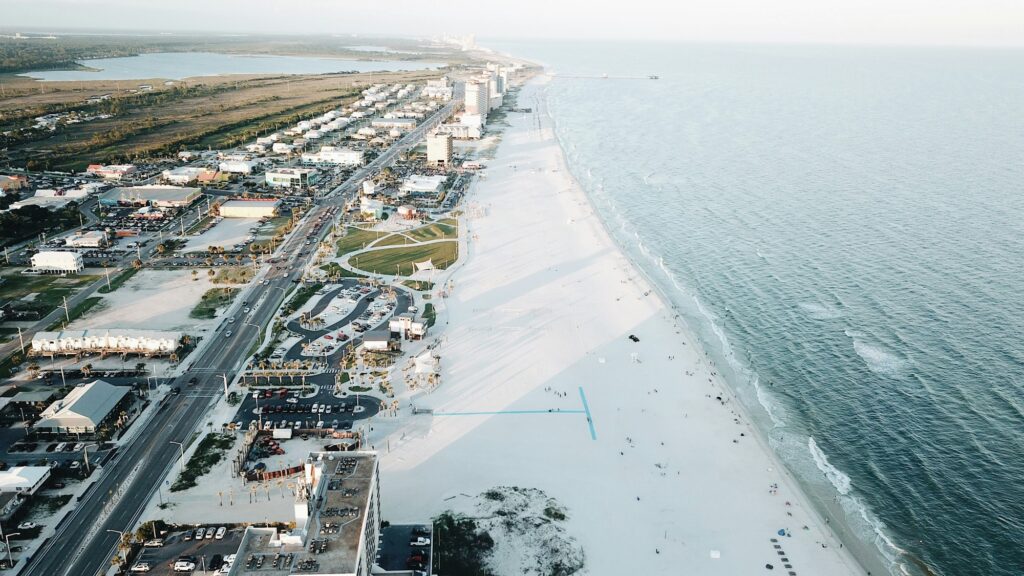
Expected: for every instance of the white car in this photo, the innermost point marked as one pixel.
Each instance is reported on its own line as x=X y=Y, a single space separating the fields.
x=184 y=566
x=26 y=525
x=227 y=334
x=154 y=543
x=141 y=567
x=292 y=400
x=420 y=541
x=220 y=533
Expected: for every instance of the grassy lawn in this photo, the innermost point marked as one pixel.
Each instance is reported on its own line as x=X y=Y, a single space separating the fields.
x=443 y=230
x=402 y=260
x=419 y=285
x=77 y=311
x=118 y=280
x=213 y=299
x=357 y=239
x=48 y=289
x=211 y=449
x=436 y=231
x=334 y=270
x=394 y=240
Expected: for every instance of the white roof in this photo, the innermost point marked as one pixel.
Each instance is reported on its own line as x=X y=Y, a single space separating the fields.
x=85 y=406
x=22 y=477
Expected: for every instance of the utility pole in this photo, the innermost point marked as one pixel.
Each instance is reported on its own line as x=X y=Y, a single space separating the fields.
x=21 y=340
x=66 y=313
x=225 y=377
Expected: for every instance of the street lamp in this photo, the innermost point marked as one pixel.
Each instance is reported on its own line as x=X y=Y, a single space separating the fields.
x=7 y=541
x=119 y=543
x=181 y=448
x=259 y=331
x=85 y=456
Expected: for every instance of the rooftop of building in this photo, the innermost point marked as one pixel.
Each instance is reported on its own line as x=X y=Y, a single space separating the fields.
x=153 y=193
x=291 y=171
x=340 y=486
x=236 y=202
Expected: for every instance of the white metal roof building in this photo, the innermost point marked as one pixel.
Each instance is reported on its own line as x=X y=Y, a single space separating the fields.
x=242 y=208
x=23 y=479
x=57 y=262
x=83 y=410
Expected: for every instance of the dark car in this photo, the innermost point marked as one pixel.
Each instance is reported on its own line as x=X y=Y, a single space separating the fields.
x=192 y=381
x=216 y=562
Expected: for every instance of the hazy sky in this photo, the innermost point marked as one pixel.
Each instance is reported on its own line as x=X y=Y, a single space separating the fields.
x=972 y=22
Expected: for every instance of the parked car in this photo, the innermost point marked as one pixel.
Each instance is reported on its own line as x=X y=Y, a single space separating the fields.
x=199 y=533
x=209 y=533
x=27 y=525
x=154 y=543
x=221 y=531
x=183 y=565
x=141 y=567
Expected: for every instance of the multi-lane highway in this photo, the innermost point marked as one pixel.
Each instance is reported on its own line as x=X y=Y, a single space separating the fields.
x=81 y=544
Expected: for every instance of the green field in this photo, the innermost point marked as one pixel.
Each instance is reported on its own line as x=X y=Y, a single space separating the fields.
x=213 y=299
x=402 y=260
x=48 y=289
x=77 y=311
x=445 y=229
x=357 y=239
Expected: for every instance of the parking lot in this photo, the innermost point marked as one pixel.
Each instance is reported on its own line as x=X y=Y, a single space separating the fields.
x=277 y=411
x=398 y=551
x=208 y=553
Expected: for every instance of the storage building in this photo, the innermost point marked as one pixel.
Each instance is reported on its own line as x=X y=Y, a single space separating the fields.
x=242 y=208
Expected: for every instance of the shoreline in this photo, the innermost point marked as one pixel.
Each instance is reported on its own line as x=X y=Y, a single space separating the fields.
x=730 y=527
x=823 y=502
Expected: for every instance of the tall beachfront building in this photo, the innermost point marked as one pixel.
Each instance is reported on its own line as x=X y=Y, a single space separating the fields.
x=439 y=149
x=478 y=98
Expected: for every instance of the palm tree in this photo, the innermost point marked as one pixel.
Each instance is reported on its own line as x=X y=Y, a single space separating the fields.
x=137 y=263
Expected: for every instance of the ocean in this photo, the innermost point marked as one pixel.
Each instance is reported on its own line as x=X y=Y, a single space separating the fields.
x=843 y=228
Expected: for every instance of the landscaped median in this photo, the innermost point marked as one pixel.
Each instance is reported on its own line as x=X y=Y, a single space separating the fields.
x=209 y=452
x=212 y=300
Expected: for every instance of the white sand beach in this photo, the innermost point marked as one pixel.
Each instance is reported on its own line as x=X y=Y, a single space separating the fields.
x=670 y=478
